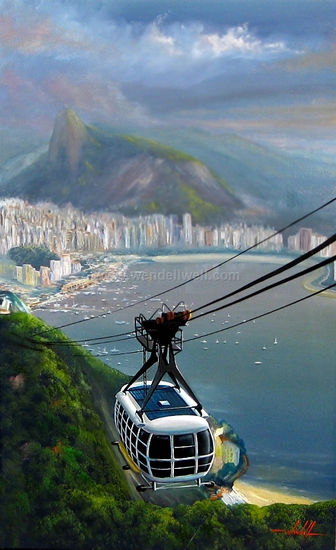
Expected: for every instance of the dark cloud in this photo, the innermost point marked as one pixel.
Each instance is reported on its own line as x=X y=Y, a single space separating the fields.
x=297 y=17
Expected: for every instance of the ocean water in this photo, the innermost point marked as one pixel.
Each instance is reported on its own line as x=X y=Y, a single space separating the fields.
x=279 y=397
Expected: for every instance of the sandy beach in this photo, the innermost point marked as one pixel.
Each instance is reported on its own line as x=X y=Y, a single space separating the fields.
x=275 y=258
x=262 y=496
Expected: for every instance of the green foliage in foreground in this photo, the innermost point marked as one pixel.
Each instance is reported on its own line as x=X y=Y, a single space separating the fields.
x=33 y=255
x=61 y=486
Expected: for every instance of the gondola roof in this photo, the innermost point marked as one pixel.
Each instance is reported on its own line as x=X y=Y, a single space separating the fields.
x=165 y=401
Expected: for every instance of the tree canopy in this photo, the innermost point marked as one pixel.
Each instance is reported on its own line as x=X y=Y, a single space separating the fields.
x=33 y=255
x=61 y=486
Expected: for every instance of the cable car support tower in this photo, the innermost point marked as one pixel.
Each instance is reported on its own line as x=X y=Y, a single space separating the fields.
x=162 y=337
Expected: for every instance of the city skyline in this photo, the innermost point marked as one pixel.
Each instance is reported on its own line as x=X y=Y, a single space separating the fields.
x=70 y=231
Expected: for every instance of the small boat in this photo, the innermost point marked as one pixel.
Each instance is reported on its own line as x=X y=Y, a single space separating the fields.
x=217 y=341
x=258 y=362
x=196 y=334
x=120 y=322
x=204 y=341
x=275 y=341
x=205 y=348
x=114 y=349
x=224 y=341
x=264 y=347
x=236 y=342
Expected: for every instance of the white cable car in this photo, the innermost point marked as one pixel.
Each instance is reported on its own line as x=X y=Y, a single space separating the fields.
x=162 y=425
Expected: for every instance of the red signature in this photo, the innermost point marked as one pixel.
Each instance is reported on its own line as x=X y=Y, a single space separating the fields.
x=306 y=530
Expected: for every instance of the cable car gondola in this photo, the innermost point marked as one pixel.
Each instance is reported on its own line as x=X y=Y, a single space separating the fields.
x=161 y=424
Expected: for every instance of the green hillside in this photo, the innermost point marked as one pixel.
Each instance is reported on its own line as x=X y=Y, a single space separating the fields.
x=61 y=486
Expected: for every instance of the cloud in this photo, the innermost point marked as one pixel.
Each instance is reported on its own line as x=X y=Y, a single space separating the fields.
x=56 y=53
x=235 y=41
x=30 y=34
x=124 y=47
x=314 y=60
x=25 y=100
x=100 y=99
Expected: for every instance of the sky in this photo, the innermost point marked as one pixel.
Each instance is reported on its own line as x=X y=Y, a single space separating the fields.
x=262 y=69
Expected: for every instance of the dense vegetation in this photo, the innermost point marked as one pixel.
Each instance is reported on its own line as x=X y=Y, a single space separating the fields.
x=33 y=255
x=61 y=486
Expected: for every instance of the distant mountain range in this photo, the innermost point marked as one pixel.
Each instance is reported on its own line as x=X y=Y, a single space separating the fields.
x=95 y=169
x=274 y=185
x=214 y=177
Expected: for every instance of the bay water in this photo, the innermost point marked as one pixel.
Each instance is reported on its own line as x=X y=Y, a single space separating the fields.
x=272 y=379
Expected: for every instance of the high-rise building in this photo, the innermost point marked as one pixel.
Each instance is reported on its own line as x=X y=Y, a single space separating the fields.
x=305 y=238
x=187 y=229
x=56 y=270
x=45 y=275
x=19 y=273
x=65 y=265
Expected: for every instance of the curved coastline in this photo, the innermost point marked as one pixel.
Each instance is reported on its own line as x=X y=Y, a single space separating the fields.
x=311 y=284
x=264 y=496
x=202 y=256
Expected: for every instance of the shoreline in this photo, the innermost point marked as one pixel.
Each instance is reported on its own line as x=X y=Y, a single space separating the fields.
x=265 y=496
x=273 y=258
x=311 y=285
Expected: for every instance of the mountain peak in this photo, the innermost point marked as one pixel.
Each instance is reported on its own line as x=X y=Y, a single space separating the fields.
x=69 y=135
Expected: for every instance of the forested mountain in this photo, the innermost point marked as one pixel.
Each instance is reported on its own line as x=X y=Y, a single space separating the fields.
x=100 y=170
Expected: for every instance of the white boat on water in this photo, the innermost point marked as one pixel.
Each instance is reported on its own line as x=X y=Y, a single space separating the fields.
x=204 y=341
x=217 y=341
x=120 y=322
x=258 y=362
x=275 y=341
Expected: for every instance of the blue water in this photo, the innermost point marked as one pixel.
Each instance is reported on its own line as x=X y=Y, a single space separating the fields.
x=283 y=408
